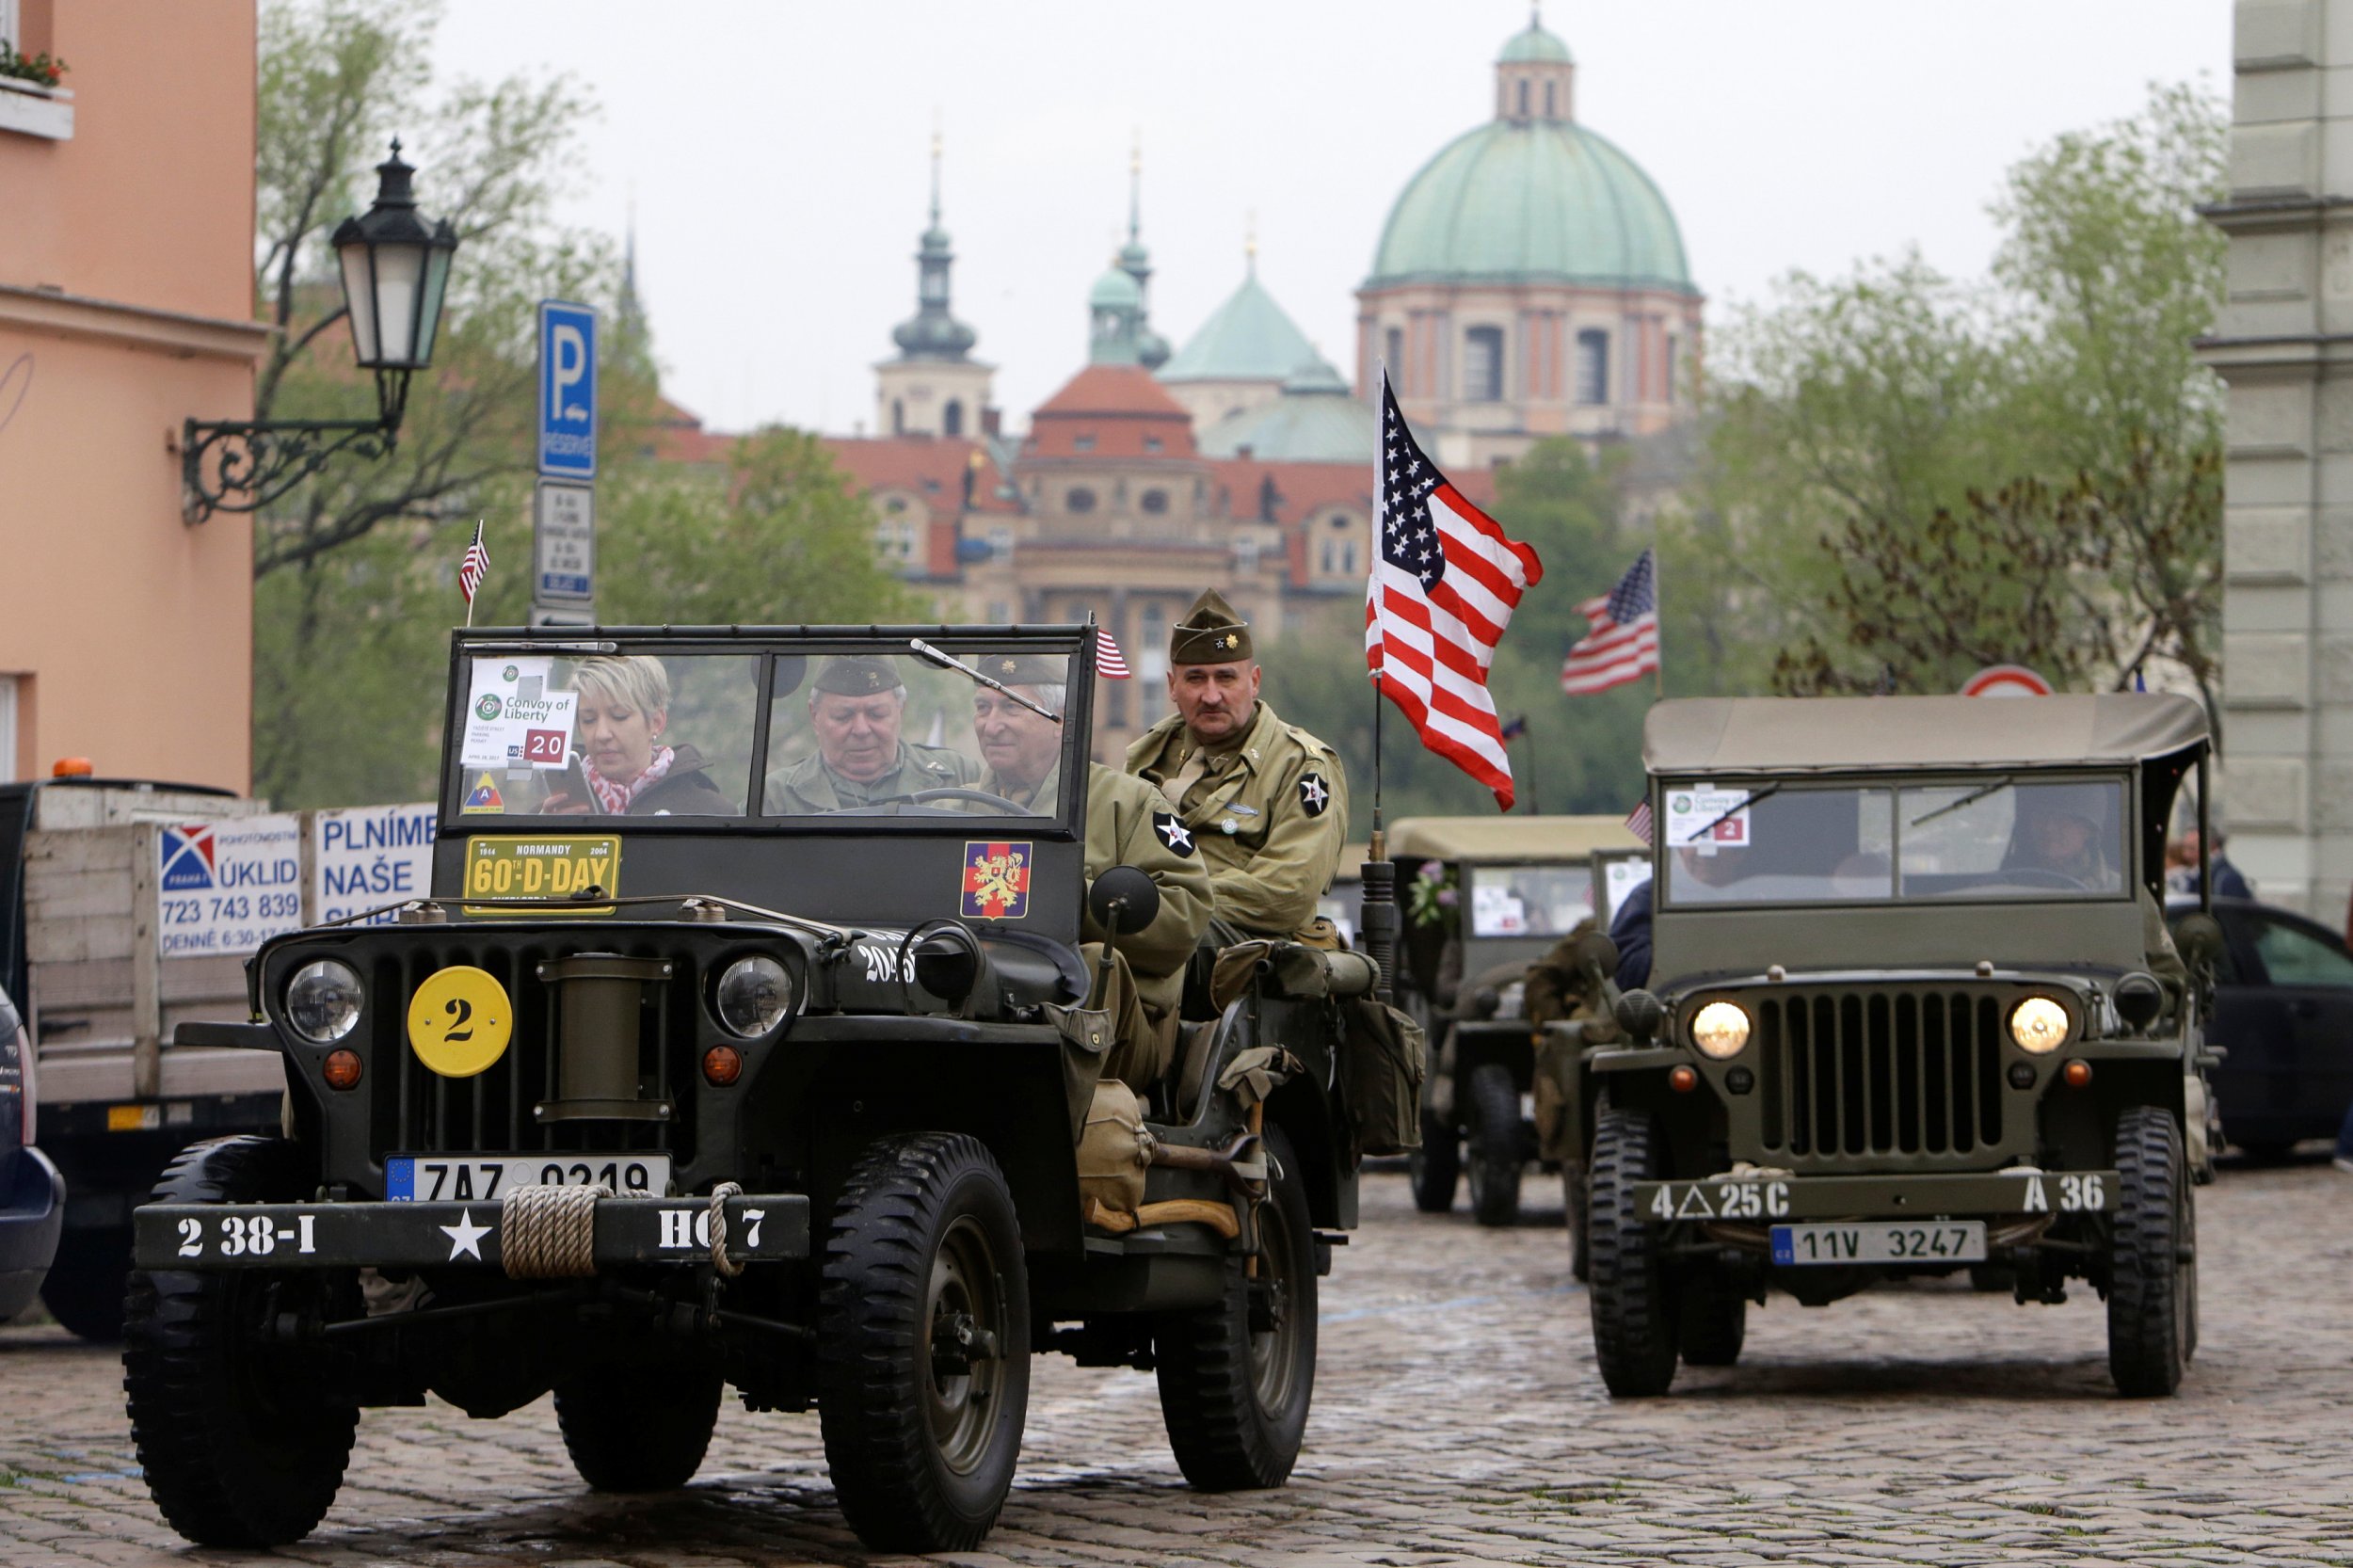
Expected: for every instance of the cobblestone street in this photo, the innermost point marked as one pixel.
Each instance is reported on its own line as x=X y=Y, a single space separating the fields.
x=1457 y=1420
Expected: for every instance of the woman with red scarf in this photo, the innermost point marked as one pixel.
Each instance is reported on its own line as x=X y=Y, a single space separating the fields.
x=624 y=708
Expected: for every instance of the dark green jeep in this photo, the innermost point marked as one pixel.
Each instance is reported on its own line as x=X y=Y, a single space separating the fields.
x=1911 y=1009
x=681 y=1081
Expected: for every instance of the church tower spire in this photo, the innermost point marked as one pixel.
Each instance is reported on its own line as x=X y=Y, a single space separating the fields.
x=933 y=387
x=932 y=332
x=1151 y=350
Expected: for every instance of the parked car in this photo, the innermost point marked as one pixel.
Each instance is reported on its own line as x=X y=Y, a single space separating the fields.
x=2284 y=1018
x=32 y=1193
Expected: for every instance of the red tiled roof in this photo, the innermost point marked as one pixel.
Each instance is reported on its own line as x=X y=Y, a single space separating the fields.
x=1113 y=389
x=1111 y=411
x=930 y=467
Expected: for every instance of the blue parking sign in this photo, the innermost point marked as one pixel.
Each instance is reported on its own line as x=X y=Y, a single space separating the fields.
x=567 y=390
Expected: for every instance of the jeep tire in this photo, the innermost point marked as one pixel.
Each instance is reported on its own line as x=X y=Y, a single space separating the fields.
x=638 y=1428
x=1436 y=1166
x=87 y=1281
x=241 y=1446
x=1634 y=1310
x=1575 y=1210
x=1711 y=1318
x=1236 y=1379
x=1498 y=1150
x=2152 y=1268
x=924 y=1343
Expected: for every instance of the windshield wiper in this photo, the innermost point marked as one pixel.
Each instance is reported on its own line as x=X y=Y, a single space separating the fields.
x=1741 y=804
x=1970 y=799
x=926 y=650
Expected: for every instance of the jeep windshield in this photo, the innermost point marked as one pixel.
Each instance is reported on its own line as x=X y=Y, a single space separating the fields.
x=648 y=729
x=2006 y=839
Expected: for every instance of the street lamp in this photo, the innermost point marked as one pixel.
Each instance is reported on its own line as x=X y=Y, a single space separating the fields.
x=394 y=267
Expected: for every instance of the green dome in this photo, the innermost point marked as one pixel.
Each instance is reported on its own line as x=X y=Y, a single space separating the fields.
x=1115 y=291
x=1317 y=420
x=1532 y=46
x=1248 y=339
x=1531 y=201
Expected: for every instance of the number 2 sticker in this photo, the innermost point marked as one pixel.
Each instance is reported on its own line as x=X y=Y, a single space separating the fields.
x=459 y=1020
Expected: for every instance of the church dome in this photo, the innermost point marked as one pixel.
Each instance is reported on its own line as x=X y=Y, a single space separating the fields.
x=1115 y=291
x=1249 y=338
x=1533 y=46
x=1532 y=201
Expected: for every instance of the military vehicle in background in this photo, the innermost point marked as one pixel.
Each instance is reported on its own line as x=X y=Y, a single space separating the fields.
x=1479 y=898
x=646 y=1100
x=1911 y=1008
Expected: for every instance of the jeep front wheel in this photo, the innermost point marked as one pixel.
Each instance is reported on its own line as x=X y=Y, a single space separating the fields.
x=1236 y=1379
x=2152 y=1268
x=1496 y=1149
x=1634 y=1309
x=241 y=1446
x=640 y=1428
x=923 y=1344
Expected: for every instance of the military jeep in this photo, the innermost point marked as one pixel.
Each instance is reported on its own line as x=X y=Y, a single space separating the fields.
x=674 y=1084
x=1483 y=898
x=1913 y=1010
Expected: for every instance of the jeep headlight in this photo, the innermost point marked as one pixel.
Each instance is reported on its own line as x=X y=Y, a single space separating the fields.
x=1720 y=1030
x=2039 y=1025
x=754 y=996
x=322 y=1000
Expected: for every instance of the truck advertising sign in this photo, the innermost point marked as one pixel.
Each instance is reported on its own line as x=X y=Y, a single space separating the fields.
x=228 y=886
x=369 y=856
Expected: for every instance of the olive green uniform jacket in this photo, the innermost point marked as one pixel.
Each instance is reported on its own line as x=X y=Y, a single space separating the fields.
x=1269 y=816
x=809 y=786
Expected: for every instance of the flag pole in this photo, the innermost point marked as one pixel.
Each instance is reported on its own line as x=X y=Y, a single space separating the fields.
x=1377 y=916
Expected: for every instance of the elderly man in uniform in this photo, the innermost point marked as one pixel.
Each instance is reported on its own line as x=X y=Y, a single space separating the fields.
x=1128 y=824
x=856 y=710
x=1266 y=801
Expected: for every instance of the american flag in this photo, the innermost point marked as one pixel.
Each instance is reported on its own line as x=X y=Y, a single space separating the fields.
x=475 y=567
x=1107 y=664
x=1638 y=822
x=1443 y=588
x=1623 y=644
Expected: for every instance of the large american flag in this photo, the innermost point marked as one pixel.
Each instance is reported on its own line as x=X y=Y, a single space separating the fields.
x=1623 y=642
x=1445 y=583
x=475 y=567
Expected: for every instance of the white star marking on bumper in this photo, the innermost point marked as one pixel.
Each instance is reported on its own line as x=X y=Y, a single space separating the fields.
x=464 y=1236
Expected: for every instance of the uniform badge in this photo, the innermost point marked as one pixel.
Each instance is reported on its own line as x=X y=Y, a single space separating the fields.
x=1314 y=793
x=1173 y=833
x=996 y=881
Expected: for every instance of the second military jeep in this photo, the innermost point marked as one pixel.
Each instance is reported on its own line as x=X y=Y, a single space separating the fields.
x=1911 y=1009
x=675 y=1083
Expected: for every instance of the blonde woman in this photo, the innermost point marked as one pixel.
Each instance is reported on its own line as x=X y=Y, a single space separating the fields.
x=624 y=711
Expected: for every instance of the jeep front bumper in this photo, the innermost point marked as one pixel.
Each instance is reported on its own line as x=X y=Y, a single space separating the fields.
x=1767 y=1198
x=760 y=1228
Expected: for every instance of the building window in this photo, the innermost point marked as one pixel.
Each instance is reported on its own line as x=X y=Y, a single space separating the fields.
x=1079 y=499
x=1675 y=356
x=1394 y=352
x=1482 y=364
x=1548 y=109
x=1150 y=654
x=952 y=418
x=1593 y=366
x=1000 y=613
x=1522 y=98
x=1152 y=444
x=1000 y=542
x=897 y=417
x=897 y=540
x=1083 y=443
x=1154 y=502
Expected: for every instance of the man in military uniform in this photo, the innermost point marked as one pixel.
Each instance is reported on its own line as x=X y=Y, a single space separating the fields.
x=1128 y=824
x=856 y=710
x=1266 y=801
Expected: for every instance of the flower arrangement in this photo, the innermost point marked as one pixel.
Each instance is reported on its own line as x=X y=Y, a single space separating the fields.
x=42 y=70
x=1430 y=898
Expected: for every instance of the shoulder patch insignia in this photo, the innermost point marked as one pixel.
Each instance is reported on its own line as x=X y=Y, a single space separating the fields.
x=996 y=881
x=1314 y=793
x=1173 y=833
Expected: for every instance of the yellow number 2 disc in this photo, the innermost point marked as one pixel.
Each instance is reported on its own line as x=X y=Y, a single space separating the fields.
x=459 y=1020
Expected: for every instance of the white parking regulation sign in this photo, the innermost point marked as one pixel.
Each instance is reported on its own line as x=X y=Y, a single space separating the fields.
x=564 y=543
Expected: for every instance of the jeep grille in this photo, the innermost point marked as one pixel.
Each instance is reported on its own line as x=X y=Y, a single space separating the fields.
x=1901 y=1080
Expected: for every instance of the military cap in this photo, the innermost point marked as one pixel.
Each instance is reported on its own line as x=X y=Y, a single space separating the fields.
x=1022 y=669
x=1210 y=633
x=858 y=678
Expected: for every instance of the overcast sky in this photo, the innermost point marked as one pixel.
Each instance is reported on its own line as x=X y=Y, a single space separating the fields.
x=777 y=152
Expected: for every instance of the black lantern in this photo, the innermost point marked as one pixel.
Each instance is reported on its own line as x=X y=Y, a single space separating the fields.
x=393 y=267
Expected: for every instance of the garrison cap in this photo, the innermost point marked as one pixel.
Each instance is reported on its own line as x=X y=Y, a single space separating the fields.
x=857 y=677
x=1024 y=669
x=1210 y=633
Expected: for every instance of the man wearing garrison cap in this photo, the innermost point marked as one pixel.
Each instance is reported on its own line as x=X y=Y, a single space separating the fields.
x=1266 y=800
x=1128 y=824
x=856 y=710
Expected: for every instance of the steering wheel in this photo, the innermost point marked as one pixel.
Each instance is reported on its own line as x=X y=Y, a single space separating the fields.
x=888 y=805
x=2042 y=876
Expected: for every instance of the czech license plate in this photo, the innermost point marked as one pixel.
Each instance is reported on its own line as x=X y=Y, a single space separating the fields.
x=1882 y=1241
x=552 y=869
x=444 y=1178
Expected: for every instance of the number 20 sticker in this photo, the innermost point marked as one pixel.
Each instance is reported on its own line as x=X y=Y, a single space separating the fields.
x=459 y=1020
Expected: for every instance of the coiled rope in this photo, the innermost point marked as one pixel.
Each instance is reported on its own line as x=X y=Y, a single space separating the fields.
x=550 y=1232
x=727 y=1266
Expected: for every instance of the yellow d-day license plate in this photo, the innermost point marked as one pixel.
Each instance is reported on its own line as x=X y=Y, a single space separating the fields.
x=544 y=870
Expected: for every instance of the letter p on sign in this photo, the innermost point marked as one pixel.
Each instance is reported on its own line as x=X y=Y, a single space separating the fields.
x=568 y=391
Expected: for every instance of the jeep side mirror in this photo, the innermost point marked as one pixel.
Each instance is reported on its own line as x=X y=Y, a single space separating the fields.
x=2199 y=937
x=1641 y=1014
x=1124 y=899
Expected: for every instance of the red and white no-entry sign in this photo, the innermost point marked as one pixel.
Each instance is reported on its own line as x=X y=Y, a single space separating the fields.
x=2006 y=681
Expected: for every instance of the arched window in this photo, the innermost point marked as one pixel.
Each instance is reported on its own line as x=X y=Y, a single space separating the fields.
x=1396 y=351
x=1549 y=112
x=952 y=418
x=1593 y=366
x=1482 y=364
x=1154 y=502
x=897 y=417
x=1079 y=499
x=1522 y=98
